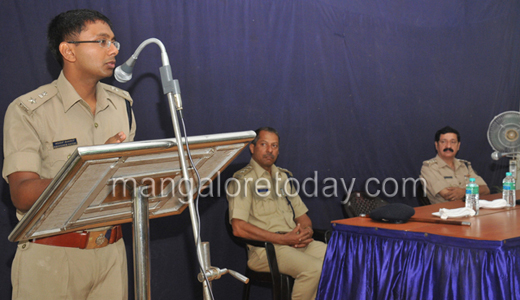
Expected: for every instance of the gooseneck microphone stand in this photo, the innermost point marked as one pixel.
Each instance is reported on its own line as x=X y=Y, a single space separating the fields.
x=171 y=89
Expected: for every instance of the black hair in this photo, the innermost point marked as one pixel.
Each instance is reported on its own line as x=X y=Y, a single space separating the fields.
x=445 y=130
x=69 y=24
x=269 y=129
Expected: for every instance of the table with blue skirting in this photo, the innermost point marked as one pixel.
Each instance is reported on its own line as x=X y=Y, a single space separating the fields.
x=372 y=260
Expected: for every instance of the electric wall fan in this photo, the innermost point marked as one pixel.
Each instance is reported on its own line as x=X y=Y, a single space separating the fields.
x=504 y=137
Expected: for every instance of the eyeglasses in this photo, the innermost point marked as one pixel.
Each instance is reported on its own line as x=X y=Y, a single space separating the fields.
x=102 y=43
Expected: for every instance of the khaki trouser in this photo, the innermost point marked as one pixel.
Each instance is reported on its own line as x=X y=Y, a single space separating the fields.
x=50 y=272
x=303 y=264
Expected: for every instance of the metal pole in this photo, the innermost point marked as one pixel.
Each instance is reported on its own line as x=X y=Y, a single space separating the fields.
x=141 y=244
x=189 y=190
x=207 y=263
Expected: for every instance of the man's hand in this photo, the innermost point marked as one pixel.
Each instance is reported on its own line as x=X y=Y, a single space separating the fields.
x=116 y=139
x=299 y=237
x=453 y=193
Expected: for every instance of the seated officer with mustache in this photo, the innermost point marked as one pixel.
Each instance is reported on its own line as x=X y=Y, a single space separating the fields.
x=264 y=206
x=446 y=175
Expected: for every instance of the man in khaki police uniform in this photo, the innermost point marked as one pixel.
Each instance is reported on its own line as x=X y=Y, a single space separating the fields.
x=446 y=175
x=263 y=206
x=41 y=129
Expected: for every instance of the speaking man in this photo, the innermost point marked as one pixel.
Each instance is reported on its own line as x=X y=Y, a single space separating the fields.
x=41 y=129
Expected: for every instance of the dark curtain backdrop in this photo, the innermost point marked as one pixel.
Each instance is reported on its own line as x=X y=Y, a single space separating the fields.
x=356 y=88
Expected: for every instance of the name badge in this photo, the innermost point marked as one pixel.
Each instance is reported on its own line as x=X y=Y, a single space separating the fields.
x=64 y=143
x=448 y=177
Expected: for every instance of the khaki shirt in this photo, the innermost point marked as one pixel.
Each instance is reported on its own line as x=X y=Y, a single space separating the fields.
x=44 y=127
x=259 y=198
x=439 y=175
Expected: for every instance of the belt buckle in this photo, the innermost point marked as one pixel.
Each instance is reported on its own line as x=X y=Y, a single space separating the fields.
x=100 y=239
x=96 y=239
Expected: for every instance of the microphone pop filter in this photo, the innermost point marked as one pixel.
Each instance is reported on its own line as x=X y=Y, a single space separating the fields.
x=393 y=213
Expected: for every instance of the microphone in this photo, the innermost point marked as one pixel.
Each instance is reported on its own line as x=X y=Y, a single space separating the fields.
x=123 y=73
x=170 y=86
x=497 y=155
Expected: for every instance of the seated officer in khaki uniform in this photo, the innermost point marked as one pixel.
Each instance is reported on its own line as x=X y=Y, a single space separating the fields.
x=445 y=175
x=41 y=129
x=263 y=206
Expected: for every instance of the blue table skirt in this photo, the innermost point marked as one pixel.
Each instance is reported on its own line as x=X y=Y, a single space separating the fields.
x=370 y=263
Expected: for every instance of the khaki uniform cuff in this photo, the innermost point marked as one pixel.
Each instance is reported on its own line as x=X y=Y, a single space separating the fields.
x=241 y=215
x=437 y=187
x=21 y=161
x=300 y=212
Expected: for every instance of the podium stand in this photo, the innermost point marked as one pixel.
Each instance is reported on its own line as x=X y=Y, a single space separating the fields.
x=113 y=184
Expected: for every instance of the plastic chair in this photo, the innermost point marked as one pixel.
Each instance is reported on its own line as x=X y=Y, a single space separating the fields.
x=282 y=284
x=420 y=195
x=360 y=203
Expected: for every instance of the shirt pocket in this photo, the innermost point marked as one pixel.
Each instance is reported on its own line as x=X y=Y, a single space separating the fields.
x=264 y=206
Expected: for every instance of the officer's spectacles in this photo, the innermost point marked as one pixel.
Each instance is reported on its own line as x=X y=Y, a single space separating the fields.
x=102 y=43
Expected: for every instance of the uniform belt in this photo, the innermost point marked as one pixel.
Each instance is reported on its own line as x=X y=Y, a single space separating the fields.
x=83 y=240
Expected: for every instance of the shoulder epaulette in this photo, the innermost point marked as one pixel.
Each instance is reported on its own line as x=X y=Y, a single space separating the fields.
x=115 y=90
x=429 y=162
x=34 y=99
x=243 y=172
x=286 y=171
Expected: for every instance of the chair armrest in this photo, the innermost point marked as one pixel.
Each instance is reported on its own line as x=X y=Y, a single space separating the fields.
x=253 y=242
x=322 y=235
x=319 y=235
x=271 y=259
x=270 y=252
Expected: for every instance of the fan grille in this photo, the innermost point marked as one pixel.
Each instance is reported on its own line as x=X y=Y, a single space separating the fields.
x=504 y=132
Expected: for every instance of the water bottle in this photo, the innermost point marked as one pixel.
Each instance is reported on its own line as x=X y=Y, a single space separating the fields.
x=472 y=195
x=509 y=189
